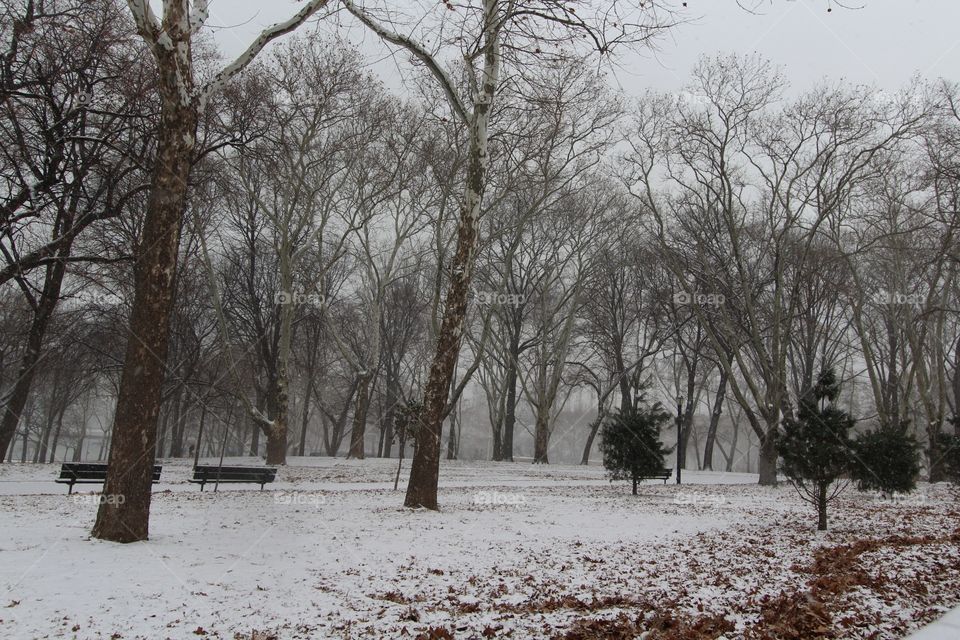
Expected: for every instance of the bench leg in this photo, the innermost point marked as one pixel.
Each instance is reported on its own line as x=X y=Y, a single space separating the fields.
x=70 y=491
x=201 y=485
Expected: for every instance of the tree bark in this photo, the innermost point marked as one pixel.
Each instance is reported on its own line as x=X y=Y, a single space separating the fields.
x=392 y=399
x=254 y=438
x=359 y=429
x=56 y=434
x=767 y=458
x=425 y=469
x=510 y=408
x=305 y=414
x=452 y=444
x=715 y=421
x=822 y=508
x=276 y=429
x=424 y=472
x=541 y=440
x=179 y=425
x=132 y=446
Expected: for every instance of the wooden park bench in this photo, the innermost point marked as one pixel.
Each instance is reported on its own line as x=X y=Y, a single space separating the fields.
x=664 y=474
x=202 y=474
x=91 y=473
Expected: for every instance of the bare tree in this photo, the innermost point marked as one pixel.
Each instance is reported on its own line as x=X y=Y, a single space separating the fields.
x=182 y=101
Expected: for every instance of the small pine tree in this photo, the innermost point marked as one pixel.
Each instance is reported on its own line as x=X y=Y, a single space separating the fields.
x=886 y=460
x=815 y=447
x=630 y=443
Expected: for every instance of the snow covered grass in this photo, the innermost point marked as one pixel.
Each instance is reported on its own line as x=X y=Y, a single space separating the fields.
x=517 y=551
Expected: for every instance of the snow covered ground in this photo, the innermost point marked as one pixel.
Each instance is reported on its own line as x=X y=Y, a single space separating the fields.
x=517 y=551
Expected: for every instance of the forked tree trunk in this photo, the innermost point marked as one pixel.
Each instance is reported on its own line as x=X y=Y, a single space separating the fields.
x=132 y=447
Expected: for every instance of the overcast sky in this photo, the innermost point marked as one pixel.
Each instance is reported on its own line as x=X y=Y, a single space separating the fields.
x=883 y=43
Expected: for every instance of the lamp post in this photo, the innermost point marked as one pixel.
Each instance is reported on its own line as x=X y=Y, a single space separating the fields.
x=679 y=435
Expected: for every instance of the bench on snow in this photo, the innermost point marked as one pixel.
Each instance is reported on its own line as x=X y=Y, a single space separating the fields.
x=663 y=474
x=91 y=473
x=202 y=474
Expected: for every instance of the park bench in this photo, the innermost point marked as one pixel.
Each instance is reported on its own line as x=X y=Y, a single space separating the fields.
x=664 y=474
x=90 y=473
x=202 y=474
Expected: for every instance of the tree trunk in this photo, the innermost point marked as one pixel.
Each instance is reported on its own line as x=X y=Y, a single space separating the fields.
x=594 y=429
x=392 y=398
x=40 y=455
x=176 y=432
x=50 y=418
x=276 y=431
x=359 y=429
x=254 y=438
x=935 y=454
x=497 y=428
x=17 y=401
x=78 y=448
x=161 y=439
x=25 y=444
x=767 y=458
x=132 y=446
x=305 y=416
x=541 y=439
x=509 y=409
x=424 y=472
x=715 y=421
x=452 y=439
x=425 y=469
x=822 y=508
x=56 y=434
